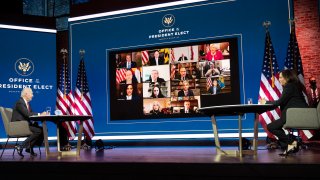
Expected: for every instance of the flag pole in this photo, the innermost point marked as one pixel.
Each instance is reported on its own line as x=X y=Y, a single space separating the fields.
x=64 y=52
x=267 y=24
x=292 y=30
x=81 y=52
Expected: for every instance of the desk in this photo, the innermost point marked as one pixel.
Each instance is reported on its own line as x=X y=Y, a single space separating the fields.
x=239 y=110
x=58 y=119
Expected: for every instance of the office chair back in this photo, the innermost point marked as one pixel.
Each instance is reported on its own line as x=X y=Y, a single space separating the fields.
x=16 y=129
x=303 y=118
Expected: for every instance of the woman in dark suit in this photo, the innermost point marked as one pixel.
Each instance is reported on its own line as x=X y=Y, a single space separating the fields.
x=291 y=97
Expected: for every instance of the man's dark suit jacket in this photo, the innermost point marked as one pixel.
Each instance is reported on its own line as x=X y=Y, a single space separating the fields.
x=159 y=80
x=190 y=111
x=133 y=64
x=181 y=93
x=188 y=77
x=153 y=61
x=21 y=112
x=183 y=58
x=218 y=90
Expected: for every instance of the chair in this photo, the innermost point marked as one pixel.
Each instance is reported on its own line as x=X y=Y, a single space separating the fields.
x=303 y=118
x=16 y=129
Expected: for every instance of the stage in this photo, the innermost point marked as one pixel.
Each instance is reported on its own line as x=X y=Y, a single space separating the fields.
x=164 y=162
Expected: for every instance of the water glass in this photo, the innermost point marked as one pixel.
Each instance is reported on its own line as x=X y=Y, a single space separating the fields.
x=48 y=110
x=249 y=101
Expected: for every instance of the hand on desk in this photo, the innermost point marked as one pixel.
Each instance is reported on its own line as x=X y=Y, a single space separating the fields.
x=262 y=101
x=44 y=113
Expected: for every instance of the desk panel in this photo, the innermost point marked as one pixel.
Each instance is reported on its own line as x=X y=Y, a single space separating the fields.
x=59 y=119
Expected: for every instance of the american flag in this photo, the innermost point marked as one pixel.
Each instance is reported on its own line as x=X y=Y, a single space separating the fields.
x=209 y=82
x=145 y=57
x=82 y=101
x=65 y=100
x=192 y=53
x=270 y=87
x=172 y=55
x=293 y=61
x=120 y=75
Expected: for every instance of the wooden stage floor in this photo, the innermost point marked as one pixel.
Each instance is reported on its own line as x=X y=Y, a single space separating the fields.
x=165 y=162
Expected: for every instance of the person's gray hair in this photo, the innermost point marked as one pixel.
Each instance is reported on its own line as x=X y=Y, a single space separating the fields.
x=25 y=90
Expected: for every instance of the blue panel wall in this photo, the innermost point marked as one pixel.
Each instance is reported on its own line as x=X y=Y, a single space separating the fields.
x=207 y=20
x=39 y=50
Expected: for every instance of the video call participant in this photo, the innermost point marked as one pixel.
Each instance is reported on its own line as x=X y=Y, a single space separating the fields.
x=130 y=78
x=21 y=112
x=168 y=109
x=154 y=77
x=211 y=70
x=156 y=92
x=182 y=76
x=185 y=91
x=156 y=60
x=215 y=88
x=129 y=63
x=214 y=53
x=129 y=92
x=187 y=108
x=182 y=57
x=156 y=108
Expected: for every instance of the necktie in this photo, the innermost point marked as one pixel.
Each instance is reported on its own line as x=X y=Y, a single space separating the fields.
x=28 y=106
x=128 y=65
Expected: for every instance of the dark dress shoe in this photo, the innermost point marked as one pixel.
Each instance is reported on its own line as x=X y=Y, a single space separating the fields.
x=30 y=150
x=19 y=150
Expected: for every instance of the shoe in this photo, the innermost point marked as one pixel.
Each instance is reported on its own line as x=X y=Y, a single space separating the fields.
x=32 y=153
x=19 y=150
x=291 y=149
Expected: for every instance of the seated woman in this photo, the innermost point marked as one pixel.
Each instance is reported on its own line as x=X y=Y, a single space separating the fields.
x=214 y=53
x=291 y=97
x=156 y=108
x=129 y=92
x=156 y=92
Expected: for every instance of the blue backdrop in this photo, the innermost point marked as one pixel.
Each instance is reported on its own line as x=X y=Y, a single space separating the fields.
x=37 y=50
x=205 y=20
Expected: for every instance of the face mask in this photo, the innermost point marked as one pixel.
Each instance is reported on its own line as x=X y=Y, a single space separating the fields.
x=313 y=84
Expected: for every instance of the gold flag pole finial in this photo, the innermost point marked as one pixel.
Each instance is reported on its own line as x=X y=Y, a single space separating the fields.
x=64 y=52
x=81 y=52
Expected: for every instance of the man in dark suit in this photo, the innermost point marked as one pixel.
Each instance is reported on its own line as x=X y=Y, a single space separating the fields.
x=21 y=112
x=187 y=109
x=185 y=91
x=215 y=88
x=157 y=60
x=129 y=63
x=154 y=77
x=183 y=75
x=182 y=58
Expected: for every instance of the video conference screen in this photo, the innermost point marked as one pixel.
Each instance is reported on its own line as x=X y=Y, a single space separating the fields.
x=173 y=81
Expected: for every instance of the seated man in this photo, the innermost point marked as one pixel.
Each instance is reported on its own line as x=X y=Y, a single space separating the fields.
x=21 y=112
x=187 y=108
x=154 y=77
x=185 y=91
x=215 y=88
x=183 y=75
